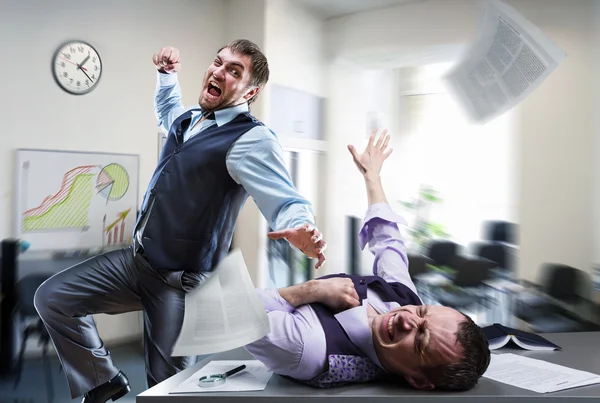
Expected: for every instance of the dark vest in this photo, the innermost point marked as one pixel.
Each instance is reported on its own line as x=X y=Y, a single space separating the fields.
x=192 y=202
x=338 y=342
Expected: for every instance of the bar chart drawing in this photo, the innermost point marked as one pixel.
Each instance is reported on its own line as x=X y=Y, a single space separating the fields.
x=115 y=231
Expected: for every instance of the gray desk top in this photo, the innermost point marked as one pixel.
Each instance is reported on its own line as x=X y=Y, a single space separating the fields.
x=580 y=351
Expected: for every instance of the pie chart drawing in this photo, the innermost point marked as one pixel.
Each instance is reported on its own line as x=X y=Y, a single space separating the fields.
x=112 y=182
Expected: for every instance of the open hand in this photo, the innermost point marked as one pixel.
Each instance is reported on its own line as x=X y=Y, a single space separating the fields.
x=370 y=161
x=306 y=238
x=337 y=293
x=167 y=60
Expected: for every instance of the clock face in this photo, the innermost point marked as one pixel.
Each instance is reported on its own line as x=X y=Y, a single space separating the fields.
x=77 y=67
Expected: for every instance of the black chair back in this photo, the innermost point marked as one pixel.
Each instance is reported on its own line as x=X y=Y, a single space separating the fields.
x=417 y=264
x=443 y=253
x=471 y=272
x=496 y=252
x=500 y=231
x=563 y=282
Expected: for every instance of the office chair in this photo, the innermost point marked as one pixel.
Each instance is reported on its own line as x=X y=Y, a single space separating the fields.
x=500 y=231
x=467 y=282
x=417 y=264
x=557 y=282
x=33 y=325
x=443 y=253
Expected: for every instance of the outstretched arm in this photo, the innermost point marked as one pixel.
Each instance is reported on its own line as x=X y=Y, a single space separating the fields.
x=168 y=104
x=369 y=164
x=380 y=227
x=256 y=162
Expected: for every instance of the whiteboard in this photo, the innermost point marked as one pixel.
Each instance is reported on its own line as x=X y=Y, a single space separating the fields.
x=75 y=200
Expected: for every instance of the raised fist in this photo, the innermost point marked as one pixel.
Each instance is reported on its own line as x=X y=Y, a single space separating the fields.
x=167 y=60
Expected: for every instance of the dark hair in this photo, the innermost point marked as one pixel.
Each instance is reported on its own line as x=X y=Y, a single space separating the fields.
x=260 y=66
x=463 y=374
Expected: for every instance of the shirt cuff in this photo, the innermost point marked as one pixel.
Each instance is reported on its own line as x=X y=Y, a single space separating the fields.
x=376 y=212
x=273 y=301
x=166 y=80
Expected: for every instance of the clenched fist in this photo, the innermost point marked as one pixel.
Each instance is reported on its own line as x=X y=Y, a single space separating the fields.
x=337 y=293
x=167 y=60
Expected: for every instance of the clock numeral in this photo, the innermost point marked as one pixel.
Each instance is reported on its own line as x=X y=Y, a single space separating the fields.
x=79 y=83
x=95 y=67
x=87 y=82
x=71 y=81
x=65 y=74
x=93 y=76
x=72 y=49
x=80 y=49
x=67 y=56
x=93 y=59
x=62 y=64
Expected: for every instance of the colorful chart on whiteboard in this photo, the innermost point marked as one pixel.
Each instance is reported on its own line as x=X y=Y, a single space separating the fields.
x=75 y=200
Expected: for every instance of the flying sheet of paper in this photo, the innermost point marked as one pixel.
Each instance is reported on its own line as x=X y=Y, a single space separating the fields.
x=508 y=61
x=536 y=375
x=223 y=313
x=254 y=377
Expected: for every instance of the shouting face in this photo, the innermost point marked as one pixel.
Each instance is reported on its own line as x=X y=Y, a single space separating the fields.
x=227 y=81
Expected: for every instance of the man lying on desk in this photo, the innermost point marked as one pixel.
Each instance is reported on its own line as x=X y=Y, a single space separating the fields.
x=342 y=329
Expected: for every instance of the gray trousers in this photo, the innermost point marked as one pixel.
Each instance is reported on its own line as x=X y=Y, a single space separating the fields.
x=113 y=283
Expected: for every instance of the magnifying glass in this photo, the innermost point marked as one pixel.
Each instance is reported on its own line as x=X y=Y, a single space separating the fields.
x=214 y=380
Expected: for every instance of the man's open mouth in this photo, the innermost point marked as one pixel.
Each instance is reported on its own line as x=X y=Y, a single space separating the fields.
x=214 y=90
x=390 y=327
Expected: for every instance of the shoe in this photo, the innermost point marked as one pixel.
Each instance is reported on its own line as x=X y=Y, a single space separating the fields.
x=114 y=389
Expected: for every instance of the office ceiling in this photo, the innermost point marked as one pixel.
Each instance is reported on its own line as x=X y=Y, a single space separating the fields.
x=327 y=9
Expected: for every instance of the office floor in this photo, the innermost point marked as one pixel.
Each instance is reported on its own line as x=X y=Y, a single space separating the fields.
x=128 y=357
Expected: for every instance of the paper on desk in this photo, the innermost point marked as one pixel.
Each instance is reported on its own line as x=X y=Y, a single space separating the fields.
x=254 y=377
x=223 y=313
x=508 y=61
x=536 y=375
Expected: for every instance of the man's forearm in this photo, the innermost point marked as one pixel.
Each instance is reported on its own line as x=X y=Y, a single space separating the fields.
x=168 y=102
x=375 y=191
x=300 y=294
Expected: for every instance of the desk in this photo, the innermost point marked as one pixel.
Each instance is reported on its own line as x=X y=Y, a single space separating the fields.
x=579 y=351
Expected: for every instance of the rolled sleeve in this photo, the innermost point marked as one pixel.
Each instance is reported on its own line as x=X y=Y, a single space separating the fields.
x=380 y=220
x=380 y=230
x=272 y=301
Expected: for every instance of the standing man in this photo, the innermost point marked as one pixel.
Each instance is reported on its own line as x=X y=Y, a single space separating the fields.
x=216 y=155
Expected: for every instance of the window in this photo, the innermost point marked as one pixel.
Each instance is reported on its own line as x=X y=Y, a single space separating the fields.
x=471 y=166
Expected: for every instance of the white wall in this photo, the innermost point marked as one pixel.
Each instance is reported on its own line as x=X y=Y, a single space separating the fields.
x=557 y=139
x=345 y=125
x=246 y=20
x=554 y=129
x=294 y=42
x=118 y=115
x=595 y=101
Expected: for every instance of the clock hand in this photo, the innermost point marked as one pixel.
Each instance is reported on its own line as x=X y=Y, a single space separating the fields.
x=84 y=61
x=86 y=74
x=67 y=60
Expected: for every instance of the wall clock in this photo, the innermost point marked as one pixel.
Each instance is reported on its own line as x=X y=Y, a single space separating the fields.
x=77 y=67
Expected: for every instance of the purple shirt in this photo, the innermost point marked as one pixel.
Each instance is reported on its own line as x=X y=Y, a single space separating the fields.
x=296 y=344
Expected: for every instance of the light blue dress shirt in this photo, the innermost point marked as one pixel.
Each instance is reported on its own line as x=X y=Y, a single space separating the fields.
x=255 y=160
